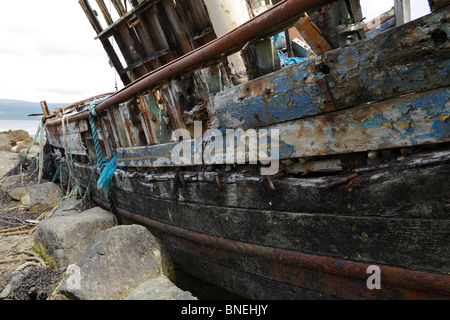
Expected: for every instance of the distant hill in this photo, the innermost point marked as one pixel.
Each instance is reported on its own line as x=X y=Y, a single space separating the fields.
x=19 y=109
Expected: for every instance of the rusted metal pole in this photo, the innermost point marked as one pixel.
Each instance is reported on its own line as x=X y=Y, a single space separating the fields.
x=271 y=22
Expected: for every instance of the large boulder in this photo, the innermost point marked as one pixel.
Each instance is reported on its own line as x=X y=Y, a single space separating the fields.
x=63 y=238
x=117 y=261
x=160 y=288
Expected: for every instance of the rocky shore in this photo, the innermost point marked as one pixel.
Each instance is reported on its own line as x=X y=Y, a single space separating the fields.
x=57 y=248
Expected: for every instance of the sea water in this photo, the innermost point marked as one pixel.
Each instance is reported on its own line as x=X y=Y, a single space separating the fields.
x=30 y=126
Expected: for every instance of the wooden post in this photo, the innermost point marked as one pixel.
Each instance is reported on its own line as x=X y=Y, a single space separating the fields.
x=91 y=16
x=402 y=11
x=119 y=7
x=105 y=12
x=45 y=108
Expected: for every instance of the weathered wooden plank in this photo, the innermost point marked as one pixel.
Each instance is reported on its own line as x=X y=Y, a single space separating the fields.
x=178 y=28
x=107 y=140
x=91 y=16
x=312 y=35
x=132 y=129
x=294 y=92
x=380 y=24
x=119 y=7
x=377 y=192
x=404 y=60
x=74 y=137
x=410 y=243
x=118 y=123
x=112 y=55
x=406 y=121
x=105 y=12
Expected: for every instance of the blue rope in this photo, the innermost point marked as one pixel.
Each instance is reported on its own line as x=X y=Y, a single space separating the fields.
x=107 y=169
x=57 y=171
x=98 y=150
x=107 y=175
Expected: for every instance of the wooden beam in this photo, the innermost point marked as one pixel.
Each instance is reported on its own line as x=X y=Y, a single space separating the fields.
x=312 y=35
x=105 y=12
x=44 y=107
x=91 y=16
x=407 y=121
x=115 y=61
x=119 y=7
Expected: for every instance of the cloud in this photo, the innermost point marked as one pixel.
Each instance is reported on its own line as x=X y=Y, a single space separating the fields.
x=50 y=53
x=372 y=9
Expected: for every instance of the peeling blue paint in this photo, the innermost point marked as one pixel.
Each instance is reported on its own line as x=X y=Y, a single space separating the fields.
x=442 y=128
x=332 y=133
x=282 y=100
x=376 y=121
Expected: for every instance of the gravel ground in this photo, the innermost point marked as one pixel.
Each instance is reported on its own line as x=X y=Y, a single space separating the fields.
x=23 y=274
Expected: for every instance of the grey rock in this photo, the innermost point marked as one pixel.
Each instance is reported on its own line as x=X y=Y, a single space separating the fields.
x=116 y=262
x=67 y=207
x=37 y=197
x=65 y=237
x=11 y=182
x=18 y=192
x=160 y=288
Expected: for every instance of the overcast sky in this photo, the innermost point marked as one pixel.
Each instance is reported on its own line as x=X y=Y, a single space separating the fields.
x=48 y=51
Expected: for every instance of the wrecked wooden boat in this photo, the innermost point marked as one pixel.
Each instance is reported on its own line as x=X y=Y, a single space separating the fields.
x=324 y=178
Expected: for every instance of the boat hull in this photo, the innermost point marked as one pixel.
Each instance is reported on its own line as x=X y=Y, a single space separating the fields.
x=299 y=246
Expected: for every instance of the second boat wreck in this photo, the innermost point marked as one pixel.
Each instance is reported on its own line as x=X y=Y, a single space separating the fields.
x=278 y=149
